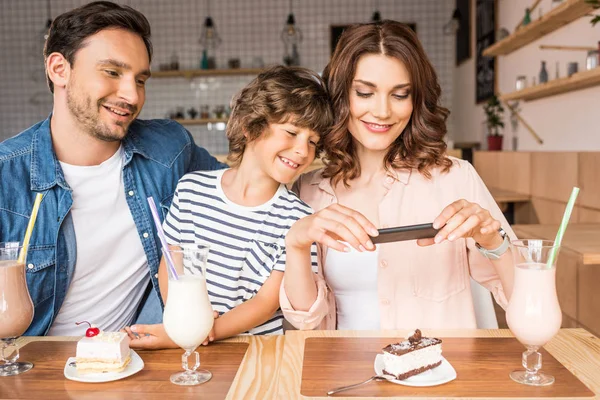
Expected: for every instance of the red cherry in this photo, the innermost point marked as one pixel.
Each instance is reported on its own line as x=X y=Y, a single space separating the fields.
x=91 y=331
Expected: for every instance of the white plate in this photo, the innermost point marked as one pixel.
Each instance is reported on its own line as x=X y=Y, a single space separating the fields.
x=135 y=365
x=436 y=376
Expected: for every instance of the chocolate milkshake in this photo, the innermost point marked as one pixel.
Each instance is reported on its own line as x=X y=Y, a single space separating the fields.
x=16 y=308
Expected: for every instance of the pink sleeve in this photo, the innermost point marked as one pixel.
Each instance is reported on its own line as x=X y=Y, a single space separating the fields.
x=305 y=320
x=482 y=269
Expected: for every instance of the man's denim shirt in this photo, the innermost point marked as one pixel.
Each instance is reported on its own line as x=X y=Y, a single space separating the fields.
x=157 y=154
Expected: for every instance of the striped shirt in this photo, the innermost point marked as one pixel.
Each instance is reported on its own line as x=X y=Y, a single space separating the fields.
x=246 y=243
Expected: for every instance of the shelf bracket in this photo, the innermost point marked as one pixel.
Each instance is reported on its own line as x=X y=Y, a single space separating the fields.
x=514 y=111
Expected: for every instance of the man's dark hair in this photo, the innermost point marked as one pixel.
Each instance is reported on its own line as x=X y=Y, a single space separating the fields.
x=69 y=30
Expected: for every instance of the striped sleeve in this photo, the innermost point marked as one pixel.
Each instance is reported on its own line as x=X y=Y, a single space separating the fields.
x=172 y=224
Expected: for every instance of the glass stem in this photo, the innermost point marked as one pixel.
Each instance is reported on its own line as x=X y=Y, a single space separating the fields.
x=532 y=361
x=9 y=357
x=185 y=364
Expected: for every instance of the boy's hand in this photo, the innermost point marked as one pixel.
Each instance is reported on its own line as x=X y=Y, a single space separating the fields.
x=211 y=334
x=151 y=337
x=329 y=225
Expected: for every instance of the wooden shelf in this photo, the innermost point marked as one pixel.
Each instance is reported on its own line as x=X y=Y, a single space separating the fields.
x=563 y=14
x=580 y=80
x=200 y=121
x=190 y=73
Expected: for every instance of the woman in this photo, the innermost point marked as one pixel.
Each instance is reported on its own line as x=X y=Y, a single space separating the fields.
x=385 y=167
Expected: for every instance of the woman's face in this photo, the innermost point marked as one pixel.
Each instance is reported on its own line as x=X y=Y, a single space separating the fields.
x=380 y=102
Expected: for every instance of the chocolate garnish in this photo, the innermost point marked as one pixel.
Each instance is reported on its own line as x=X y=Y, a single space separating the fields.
x=416 y=337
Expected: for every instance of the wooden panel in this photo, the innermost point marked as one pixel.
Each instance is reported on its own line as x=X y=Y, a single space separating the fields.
x=550 y=212
x=568 y=322
x=454 y=153
x=578 y=81
x=486 y=165
x=514 y=171
x=46 y=380
x=565 y=13
x=553 y=175
x=589 y=297
x=587 y=215
x=482 y=366
x=566 y=282
x=589 y=180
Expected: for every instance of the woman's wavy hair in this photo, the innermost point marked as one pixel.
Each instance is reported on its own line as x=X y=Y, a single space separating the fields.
x=420 y=145
x=278 y=95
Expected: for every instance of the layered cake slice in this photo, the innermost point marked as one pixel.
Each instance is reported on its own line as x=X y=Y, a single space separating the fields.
x=103 y=352
x=411 y=357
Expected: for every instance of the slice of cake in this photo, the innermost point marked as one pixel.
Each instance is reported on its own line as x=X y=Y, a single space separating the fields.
x=104 y=352
x=411 y=357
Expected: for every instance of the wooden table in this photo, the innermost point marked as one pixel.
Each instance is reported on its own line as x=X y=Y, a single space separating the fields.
x=576 y=349
x=583 y=239
x=507 y=201
x=256 y=377
x=507 y=196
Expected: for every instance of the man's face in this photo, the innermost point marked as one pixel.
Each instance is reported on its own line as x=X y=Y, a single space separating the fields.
x=106 y=89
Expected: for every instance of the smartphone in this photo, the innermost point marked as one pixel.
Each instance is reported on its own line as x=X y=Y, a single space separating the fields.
x=400 y=233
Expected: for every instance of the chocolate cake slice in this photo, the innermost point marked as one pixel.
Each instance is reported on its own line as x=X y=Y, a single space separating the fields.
x=411 y=357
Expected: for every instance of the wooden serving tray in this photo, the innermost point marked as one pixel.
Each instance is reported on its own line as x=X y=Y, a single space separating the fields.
x=47 y=381
x=482 y=366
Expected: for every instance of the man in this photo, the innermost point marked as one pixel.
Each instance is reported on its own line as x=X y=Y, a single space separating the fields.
x=94 y=252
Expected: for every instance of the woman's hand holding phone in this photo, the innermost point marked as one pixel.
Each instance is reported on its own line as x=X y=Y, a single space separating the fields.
x=331 y=225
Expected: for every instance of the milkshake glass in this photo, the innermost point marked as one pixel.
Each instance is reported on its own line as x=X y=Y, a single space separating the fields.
x=533 y=313
x=188 y=316
x=16 y=309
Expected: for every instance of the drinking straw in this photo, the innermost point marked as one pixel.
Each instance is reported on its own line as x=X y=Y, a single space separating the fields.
x=563 y=226
x=32 y=218
x=161 y=236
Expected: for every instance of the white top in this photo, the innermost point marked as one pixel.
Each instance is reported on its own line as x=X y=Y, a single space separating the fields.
x=246 y=243
x=352 y=278
x=111 y=270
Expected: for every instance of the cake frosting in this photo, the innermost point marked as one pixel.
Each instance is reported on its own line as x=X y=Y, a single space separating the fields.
x=413 y=356
x=104 y=352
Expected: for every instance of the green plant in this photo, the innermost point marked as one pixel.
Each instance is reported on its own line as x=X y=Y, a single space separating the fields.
x=494 y=113
x=596 y=5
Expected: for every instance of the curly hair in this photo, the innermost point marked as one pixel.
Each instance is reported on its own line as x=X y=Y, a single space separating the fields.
x=278 y=95
x=420 y=145
x=69 y=31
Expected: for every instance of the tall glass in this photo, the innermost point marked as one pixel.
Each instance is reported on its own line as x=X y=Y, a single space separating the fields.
x=533 y=314
x=188 y=316
x=16 y=309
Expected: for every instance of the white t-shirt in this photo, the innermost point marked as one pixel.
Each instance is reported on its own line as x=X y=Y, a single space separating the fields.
x=352 y=277
x=241 y=256
x=111 y=272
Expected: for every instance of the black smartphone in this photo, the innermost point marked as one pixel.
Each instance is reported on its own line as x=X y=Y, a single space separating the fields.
x=409 y=232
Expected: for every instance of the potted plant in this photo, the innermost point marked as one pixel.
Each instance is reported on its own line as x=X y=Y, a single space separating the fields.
x=596 y=4
x=494 y=122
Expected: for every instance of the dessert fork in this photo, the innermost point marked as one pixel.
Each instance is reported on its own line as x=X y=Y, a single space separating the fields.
x=342 y=388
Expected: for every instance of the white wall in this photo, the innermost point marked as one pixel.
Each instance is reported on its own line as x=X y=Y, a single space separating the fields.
x=567 y=122
x=249 y=28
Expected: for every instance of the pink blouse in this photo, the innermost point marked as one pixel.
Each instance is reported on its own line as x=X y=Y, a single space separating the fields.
x=424 y=287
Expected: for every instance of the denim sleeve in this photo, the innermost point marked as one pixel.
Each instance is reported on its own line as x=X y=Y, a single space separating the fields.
x=200 y=159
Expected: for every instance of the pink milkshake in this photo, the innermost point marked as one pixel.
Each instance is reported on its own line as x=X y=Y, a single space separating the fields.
x=533 y=314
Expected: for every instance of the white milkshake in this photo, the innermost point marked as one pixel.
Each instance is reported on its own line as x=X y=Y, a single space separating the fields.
x=533 y=314
x=188 y=315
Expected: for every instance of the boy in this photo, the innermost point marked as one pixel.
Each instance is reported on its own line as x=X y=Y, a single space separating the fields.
x=245 y=212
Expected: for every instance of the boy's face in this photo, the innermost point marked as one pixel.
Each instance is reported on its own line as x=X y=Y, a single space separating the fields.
x=284 y=151
x=106 y=91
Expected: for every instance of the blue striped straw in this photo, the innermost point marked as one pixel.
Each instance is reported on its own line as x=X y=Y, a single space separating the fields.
x=563 y=226
x=161 y=236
